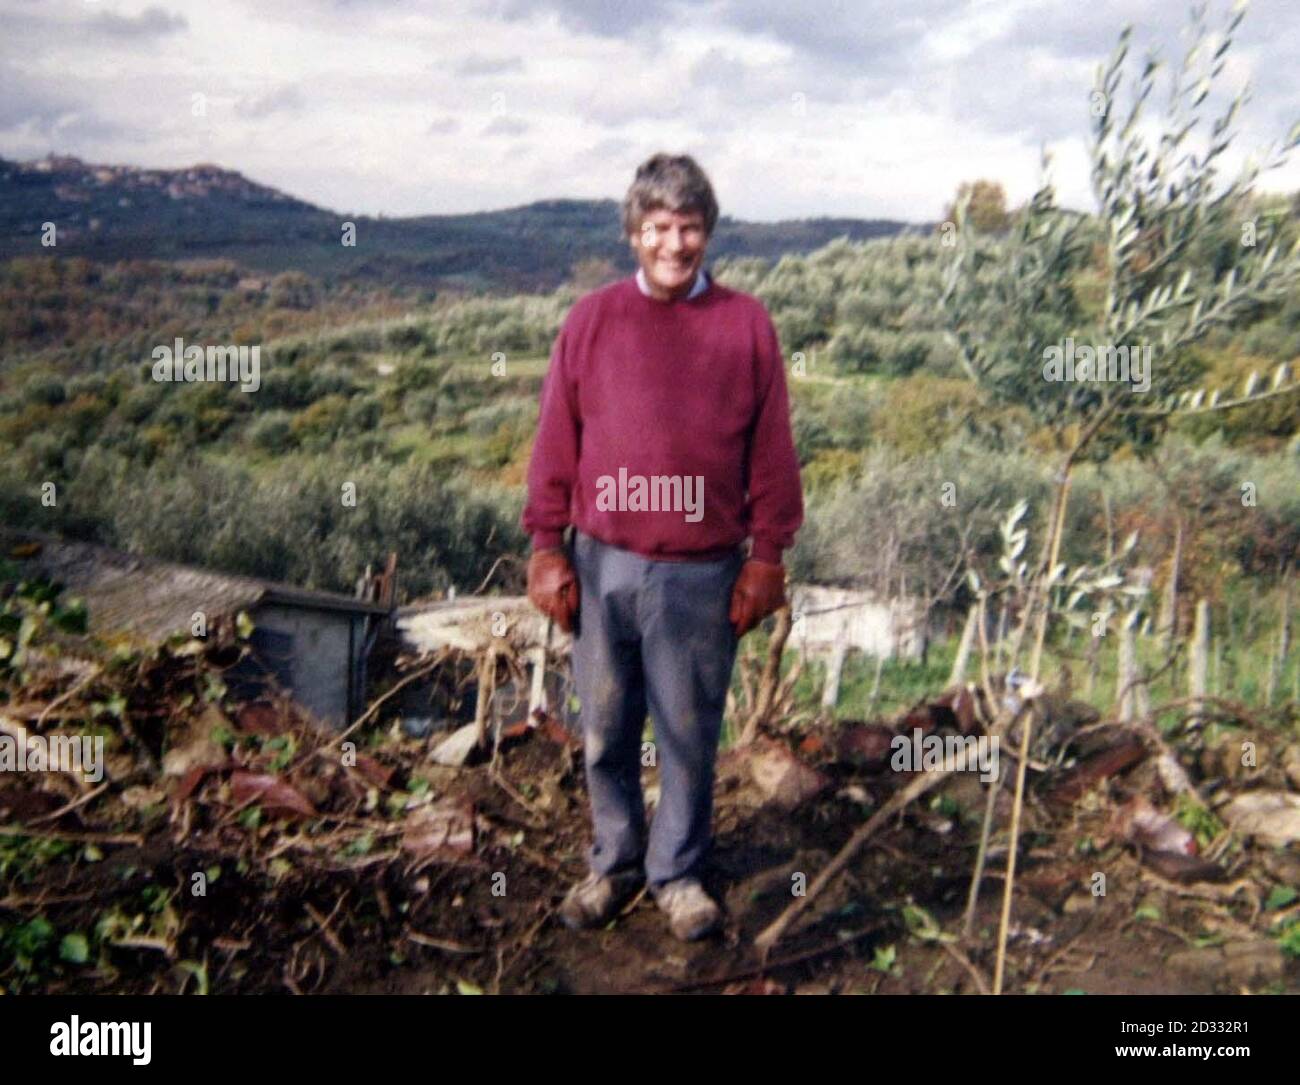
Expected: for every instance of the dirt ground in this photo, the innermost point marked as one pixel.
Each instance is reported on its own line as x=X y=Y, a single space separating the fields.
x=363 y=900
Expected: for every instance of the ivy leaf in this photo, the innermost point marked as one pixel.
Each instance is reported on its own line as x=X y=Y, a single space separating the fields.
x=1280 y=897
x=74 y=948
x=883 y=960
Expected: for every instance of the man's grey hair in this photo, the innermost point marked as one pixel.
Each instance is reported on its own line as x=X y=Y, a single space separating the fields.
x=672 y=182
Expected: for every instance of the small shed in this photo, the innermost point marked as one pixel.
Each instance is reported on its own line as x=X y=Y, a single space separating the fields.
x=313 y=644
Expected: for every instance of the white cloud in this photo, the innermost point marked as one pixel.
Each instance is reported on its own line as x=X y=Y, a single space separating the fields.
x=862 y=109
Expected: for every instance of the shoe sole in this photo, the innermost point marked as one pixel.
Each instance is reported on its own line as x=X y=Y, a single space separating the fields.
x=695 y=934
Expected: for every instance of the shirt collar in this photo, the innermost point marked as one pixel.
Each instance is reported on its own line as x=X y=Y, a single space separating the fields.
x=701 y=283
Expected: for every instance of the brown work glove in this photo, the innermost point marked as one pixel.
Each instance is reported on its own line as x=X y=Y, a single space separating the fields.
x=553 y=586
x=759 y=591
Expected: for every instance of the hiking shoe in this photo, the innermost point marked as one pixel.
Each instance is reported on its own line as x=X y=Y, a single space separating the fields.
x=691 y=912
x=598 y=897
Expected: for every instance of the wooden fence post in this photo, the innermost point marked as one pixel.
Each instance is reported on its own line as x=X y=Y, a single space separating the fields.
x=1094 y=665
x=1169 y=607
x=1277 y=662
x=1125 y=673
x=875 y=685
x=958 y=675
x=1200 y=654
x=834 y=669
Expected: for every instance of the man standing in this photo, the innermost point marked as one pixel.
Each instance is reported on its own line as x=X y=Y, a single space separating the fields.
x=664 y=440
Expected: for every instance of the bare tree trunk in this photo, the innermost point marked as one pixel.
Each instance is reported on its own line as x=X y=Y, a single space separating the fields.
x=771 y=677
x=537 y=660
x=990 y=802
x=487 y=677
x=1041 y=598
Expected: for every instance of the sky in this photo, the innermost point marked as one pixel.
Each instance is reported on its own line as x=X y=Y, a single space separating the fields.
x=794 y=109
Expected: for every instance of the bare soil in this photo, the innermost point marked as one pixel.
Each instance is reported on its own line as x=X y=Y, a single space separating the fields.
x=378 y=917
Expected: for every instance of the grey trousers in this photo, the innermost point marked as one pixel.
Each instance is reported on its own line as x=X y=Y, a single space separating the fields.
x=652 y=636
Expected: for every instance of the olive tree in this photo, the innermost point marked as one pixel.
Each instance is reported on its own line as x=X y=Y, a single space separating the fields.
x=1016 y=318
x=1013 y=312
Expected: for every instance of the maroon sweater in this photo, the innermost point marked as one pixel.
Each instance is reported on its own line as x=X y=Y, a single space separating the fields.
x=665 y=428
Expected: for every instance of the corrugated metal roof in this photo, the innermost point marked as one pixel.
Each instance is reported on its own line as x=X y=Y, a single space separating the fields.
x=150 y=599
x=469 y=624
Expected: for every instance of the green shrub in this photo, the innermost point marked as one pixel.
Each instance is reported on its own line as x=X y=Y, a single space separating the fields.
x=45 y=389
x=421 y=407
x=272 y=431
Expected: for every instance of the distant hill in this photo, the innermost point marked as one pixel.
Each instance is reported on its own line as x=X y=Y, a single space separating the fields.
x=120 y=212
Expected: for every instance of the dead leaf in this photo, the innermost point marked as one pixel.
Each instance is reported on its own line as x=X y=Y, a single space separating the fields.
x=271 y=793
x=760 y=985
x=139 y=797
x=812 y=745
x=1126 y=752
x=556 y=732
x=865 y=744
x=260 y=718
x=186 y=785
x=373 y=771
x=1178 y=867
x=444 y=828
x=193 y=744
x=1140 y=823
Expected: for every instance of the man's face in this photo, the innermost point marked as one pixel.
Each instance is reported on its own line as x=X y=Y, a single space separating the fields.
x=670 y=248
